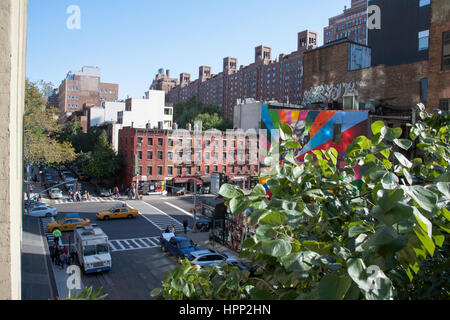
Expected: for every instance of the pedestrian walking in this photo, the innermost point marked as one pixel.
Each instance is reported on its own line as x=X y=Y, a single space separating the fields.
x=56 y=234
x=63 y=260
x=52 y=253
x=185 y=225
x=57 y=254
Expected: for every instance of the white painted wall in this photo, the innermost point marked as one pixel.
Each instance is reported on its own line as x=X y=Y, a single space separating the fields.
x=247 y=116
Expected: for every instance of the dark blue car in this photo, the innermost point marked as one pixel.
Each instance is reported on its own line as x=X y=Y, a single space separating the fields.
x=177 y=246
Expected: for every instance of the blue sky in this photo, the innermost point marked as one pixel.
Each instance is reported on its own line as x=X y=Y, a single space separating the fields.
x=131 y=39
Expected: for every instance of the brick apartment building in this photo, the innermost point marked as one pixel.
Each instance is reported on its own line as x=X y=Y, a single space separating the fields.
x=163 y=81
x=351 y=24
x=439 y=56
x=264 y=80
x=84 y=88
x=171 y=157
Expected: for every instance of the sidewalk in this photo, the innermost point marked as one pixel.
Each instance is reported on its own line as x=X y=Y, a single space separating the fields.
x=41 y=279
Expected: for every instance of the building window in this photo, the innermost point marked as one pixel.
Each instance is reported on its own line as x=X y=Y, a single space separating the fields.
x=160 y=171
x=160 y=141
x=179 y=171
x=139 y=155
x=140 y=171
x=160 y=155
x=424 y=89
x=189 y=170
x=149 y=155
x=170 y=171
x=150 y=141
x=170 y=156
x=423 y=3
x=424 y=37
x=197 y=170
x=207 y=169
x=446 y=51
x=149 y=171
x=170 y=143
x=224 y=169
x=443 y=104
x=216 y=169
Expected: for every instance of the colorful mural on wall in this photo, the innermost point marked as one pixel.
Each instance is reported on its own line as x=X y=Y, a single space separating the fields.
x=315 y=130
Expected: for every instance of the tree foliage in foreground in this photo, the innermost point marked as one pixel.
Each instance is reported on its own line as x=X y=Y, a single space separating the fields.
x=327 y=235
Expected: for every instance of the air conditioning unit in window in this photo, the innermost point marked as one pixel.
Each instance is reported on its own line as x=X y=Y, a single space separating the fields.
x=350 y=102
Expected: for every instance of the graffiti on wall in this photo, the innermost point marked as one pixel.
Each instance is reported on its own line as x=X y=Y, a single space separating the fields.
x=324 y=93
x=315 y=130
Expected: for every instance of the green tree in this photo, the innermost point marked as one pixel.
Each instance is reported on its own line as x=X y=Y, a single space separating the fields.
x=41 y=128
x=213 y=121
x=326 y=235
x=187 y=112
x=102 y=162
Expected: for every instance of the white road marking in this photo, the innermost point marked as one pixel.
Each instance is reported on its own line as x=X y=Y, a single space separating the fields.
x=178 y=208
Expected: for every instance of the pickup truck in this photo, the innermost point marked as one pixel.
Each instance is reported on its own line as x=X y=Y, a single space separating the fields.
x=177 y=246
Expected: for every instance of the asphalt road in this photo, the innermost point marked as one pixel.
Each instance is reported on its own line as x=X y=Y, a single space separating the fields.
x=136 y=271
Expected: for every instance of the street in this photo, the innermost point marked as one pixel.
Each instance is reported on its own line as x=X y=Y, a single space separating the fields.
x=138 y=263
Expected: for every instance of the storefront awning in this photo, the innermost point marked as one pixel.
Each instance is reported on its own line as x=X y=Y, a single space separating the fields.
x=186 y=180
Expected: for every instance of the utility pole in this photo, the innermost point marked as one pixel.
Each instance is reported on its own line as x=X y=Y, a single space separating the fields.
x=195 y=206
x=28 y=176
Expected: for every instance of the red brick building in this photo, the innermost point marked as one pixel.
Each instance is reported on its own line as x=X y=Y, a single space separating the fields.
x=439 y=56
x=263 y=80
x=343 y=68
x=168 y=157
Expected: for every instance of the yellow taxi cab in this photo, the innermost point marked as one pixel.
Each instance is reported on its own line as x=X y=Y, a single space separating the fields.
x=117 y=212
x=68 y=224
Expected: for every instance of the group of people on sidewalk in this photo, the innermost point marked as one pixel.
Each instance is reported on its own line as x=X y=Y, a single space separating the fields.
x=171 y=228
x=60 y=256
x=79 y=196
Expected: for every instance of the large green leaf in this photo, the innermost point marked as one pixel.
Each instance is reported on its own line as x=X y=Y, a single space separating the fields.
x=387 y=199
x=333 y=287
x=391 y=134
x=403 y=161
x=425 y=198
x=274 y=218
x=405 y=144
x=390 y=181
x=376 y=127
x=276 y=248
x=229 y=191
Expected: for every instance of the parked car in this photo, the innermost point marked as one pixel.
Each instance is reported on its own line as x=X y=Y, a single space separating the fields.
x=67 y=224
x=117 y=212
x=55 y=193
x=204 y=224
x=177 y=246
x=104 y=192
x=42 y=211
x=32 y=204
x=181 y=192
x=209 y=257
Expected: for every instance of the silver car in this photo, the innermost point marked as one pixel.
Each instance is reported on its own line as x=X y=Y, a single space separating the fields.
x=43 y=211
x=55 y=193
x=209 y=257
